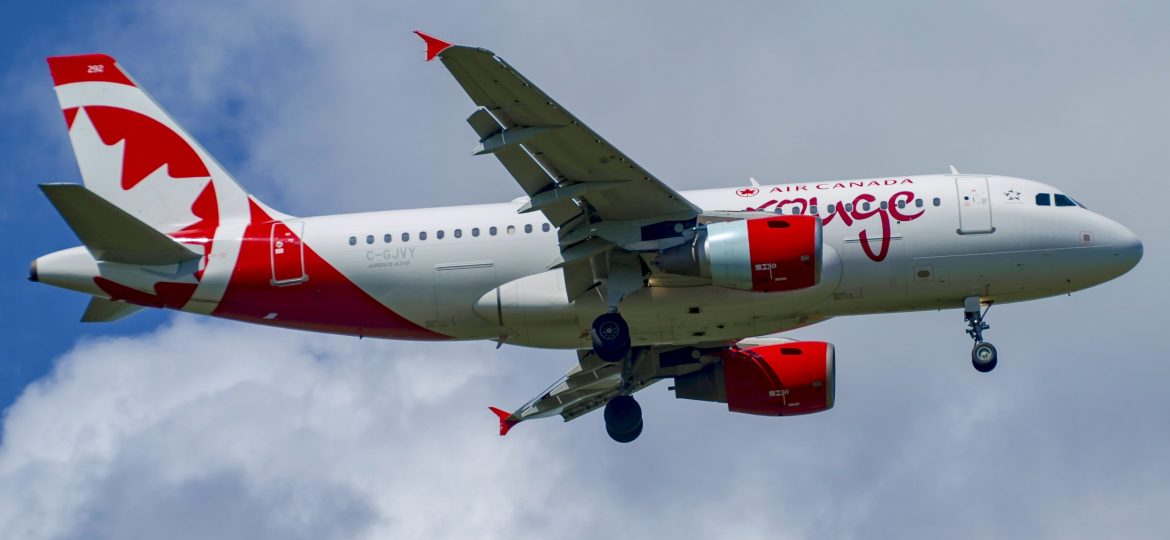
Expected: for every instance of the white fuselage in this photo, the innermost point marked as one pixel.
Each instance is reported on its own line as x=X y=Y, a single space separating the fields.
x=495 y=284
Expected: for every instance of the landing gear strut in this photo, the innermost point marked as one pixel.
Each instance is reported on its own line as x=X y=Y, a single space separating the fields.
x=983 y=355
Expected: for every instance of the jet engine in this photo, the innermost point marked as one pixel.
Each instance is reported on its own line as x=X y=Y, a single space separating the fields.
x=772 y=380
x=766 y=254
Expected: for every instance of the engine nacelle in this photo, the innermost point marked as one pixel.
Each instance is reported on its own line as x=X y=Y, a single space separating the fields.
x=773 y=380
x=767 y=254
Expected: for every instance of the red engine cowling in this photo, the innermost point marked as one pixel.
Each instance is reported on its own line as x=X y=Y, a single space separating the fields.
x=766 y=254
x=772 y=380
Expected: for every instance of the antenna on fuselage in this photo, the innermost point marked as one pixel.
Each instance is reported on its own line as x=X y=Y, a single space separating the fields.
x=954 y=171
x=757 y=182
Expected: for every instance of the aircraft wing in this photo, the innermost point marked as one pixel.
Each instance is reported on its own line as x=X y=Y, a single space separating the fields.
x=592 y=382
x=569 y=172
x=587 y=386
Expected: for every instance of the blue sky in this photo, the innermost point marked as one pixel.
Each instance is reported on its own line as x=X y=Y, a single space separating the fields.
x=39 y=323
x=148 y=427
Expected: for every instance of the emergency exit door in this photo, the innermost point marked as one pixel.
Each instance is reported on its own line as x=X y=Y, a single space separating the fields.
x=974 y=205
x=287 y=253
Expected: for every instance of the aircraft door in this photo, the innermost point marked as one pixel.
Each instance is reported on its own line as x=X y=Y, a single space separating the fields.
x=974 y=205
x=287 y=253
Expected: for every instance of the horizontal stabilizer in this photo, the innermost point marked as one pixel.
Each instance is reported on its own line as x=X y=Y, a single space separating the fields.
x=103 y=310
x=109 y=233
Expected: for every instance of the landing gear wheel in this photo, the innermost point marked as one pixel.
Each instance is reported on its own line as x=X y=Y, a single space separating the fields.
x=611 y=337
x=623 y=419
x=625 y=437
x=984 y=357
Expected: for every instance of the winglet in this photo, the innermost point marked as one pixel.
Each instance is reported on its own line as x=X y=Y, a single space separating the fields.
x=434 y=46
x=506 y=422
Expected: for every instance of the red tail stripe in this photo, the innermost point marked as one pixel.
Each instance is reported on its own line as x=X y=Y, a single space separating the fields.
x=86 y=68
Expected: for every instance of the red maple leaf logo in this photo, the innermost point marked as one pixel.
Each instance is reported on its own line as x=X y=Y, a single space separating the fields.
x=747 y=192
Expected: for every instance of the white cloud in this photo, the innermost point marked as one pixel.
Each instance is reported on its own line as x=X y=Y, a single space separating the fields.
x=216 y=429
x=208 y=429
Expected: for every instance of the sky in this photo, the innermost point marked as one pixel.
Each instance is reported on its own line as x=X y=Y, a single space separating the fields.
x=171 y=425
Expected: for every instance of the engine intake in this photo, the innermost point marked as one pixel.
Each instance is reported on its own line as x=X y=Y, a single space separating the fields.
x=767 y=254
x=773 y=380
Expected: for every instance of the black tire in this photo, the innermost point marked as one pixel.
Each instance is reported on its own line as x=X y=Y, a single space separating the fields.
x=611 y=337
x=622 y=415
x=984 y=357
x=626 y=437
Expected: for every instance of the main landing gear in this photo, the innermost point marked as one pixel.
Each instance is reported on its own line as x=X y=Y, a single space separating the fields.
x=611 y=343
x=611 y=337
x=623 y=419
x=983 y=355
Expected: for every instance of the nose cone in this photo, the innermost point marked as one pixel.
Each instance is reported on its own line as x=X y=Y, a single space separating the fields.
x=1124 y=249
x=1129 y=248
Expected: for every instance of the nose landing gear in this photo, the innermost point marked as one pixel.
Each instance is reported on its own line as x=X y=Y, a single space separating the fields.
x=983 y=355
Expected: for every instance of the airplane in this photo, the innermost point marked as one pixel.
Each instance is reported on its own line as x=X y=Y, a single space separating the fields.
x=599 y=256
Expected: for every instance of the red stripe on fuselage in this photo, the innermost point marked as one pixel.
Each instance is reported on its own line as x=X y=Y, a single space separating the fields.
x=327 y=302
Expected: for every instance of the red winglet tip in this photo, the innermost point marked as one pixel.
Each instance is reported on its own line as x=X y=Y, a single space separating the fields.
x=505 y=424
x=434 y=45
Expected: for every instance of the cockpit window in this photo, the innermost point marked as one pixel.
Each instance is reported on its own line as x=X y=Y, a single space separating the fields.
x=1043 y=199
x=1063 y=200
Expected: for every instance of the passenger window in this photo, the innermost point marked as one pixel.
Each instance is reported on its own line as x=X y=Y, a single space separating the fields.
x=458 y=233
x=439 y=234
x=492 y=231
x=475 y=231
x=885 y=205
x=1043 y=199
x=353 y=240
x=865 y=206
x=422 y=235
x=1062 y=200
x=545 y=227
x=832 y=209
x=848 y=207
x=812 y=210
x=918 y=203
x=405 y=237
x=901 y=205
x=528 y=227
x=937 y=201
x=370 y=239
x=511 y=229
x=386 y=238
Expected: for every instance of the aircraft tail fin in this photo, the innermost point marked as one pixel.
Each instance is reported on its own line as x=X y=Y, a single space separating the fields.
x=113 y=235
x=103 y=310
x=134 y=155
